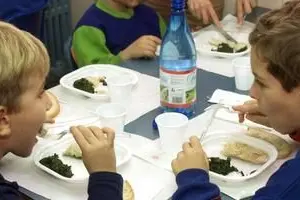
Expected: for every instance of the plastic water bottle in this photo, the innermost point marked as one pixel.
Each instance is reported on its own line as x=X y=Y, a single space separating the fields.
x=178 y=64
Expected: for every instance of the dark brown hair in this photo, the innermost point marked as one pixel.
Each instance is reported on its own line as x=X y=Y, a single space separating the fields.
x=276 y=39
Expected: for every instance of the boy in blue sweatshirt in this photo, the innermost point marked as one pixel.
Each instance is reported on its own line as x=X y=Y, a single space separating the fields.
x=23 y=105
x=275 y=61
x=111 y=31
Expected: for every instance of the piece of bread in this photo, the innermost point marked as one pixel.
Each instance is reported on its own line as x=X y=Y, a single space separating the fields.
x=73 y=151
x=128 y=193
x=284 y=148
x=54 y=107
x=245 y=152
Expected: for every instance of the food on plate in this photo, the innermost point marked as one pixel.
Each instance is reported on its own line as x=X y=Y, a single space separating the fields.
x=84 y=84
x=284 y=148
x=53 y=108
x=245 y=152
x=221 y=166
x=128 y=193
x=73 y=151
x=54 y=163
x=227 y=46
x=91 y=84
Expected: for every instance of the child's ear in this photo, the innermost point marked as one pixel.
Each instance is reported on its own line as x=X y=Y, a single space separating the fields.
x=5 y=130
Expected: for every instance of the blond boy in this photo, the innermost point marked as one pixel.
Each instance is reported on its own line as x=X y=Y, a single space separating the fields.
x=24 y=65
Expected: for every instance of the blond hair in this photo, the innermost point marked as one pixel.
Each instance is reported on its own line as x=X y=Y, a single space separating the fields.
x=276 y=39
x=22 y=56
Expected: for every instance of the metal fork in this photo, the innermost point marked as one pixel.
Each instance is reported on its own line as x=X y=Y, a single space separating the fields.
x=43 y=134
x=215 y=109
x=62 y=134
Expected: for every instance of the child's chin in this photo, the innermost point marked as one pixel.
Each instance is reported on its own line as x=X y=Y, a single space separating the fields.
x=25 y=152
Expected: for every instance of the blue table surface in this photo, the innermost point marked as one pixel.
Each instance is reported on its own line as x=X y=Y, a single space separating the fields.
x=207 y=83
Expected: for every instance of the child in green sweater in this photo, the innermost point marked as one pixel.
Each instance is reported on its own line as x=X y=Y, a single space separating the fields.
x=112 y=31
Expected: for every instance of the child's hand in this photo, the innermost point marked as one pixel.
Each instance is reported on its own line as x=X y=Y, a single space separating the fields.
x=251 y=111
x=203 y=9
x=192 y=157
x=97 y=146
x=244 y=7
x=145 y=46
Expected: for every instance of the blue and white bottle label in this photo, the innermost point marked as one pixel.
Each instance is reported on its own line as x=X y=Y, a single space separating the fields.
x=178 y=88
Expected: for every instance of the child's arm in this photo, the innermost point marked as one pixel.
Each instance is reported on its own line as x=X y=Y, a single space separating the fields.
x=9 y=191
x=191 y=166
x=194 y=184
x=89 y=47
x=284 y=184
x=107 y=185
x=99 y=158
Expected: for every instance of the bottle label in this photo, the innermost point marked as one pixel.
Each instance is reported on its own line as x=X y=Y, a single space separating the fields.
x=178 y=88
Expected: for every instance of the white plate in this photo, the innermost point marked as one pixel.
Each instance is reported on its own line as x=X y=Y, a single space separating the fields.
x=96 y=70
x=213 y=145
x=202 y=39
x=123 y=155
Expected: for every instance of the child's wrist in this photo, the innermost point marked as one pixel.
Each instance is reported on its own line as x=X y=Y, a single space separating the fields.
x=123 y=55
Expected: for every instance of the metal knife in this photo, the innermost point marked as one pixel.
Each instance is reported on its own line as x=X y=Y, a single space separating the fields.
x=226 y=35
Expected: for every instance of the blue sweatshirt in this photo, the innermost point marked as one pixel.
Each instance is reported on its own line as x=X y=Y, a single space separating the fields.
x=11 y=9
x=284 y=184
x=102 y=185
x=24 y=14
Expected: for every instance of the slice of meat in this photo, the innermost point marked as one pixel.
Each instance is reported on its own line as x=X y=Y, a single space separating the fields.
x=245 y=152
x=283 y=147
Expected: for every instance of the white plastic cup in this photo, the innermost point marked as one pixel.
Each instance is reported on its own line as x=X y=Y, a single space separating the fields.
x=120 y=89
x=172 y=127
x=243 y=74
x=113 y=116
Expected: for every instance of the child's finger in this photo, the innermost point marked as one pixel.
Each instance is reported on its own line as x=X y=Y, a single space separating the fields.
x=186 y=146
x=240 y=11
x=246 y=108
x=195 y=143
x=253 y=3
x=214 y=17
x=149 y=53
x=88 y=135
x=247 y=7
x=204 y=16
x=175 y=166
x=241 y=117
x=110 y=136
x=98 y=133
x=155 y=39
x=79 y=138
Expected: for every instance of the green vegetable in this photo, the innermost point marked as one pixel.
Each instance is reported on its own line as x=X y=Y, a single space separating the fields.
x=224 y=47
x=221 y=166
x=241 y=49
x=55 y=164
x=229 y=47
x=84 y=84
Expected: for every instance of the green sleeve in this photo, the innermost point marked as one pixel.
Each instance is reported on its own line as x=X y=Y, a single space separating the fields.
x=89 y=47
x=162 y=25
